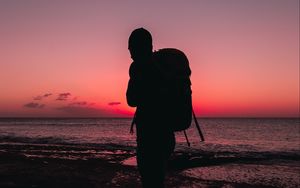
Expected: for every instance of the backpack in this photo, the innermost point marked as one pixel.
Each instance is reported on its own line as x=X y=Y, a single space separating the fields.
x=173 y=67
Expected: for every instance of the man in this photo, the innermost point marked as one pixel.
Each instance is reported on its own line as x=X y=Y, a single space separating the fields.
x=155 y=142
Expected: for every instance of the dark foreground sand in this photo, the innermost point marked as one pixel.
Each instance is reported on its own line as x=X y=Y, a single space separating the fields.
x=45 y=166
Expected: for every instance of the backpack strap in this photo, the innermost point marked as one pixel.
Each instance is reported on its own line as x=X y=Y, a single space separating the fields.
x=187 y=140
x=132 y=124
x=198 y=127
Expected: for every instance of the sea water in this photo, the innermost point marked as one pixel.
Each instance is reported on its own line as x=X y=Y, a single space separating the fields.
x=221 y=134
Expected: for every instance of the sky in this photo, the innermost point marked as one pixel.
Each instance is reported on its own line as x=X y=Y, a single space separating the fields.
x=70 y=58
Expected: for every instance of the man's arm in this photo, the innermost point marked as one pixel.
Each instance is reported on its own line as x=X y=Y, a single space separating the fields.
x=132 y=89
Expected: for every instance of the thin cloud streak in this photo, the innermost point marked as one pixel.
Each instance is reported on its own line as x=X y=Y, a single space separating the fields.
x=114 y=103
x=34 y=105
x=41 y=97
x=63 y=96
x=82 y=103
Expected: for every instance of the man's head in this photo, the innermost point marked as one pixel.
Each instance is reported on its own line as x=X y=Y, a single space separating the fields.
x=140 y=44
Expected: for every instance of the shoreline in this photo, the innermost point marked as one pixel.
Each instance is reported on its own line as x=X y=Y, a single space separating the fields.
x=39 y=165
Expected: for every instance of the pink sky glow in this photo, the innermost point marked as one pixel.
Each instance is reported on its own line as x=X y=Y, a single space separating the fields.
x=70 y=58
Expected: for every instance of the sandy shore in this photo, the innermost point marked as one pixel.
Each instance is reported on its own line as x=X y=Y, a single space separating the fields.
x=33 y=165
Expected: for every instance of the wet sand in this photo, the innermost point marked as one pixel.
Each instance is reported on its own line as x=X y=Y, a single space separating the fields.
x=34 y=165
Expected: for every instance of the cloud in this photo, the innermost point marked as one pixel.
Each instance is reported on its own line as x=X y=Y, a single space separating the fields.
x=63 y=96
x=114 y=103
x=82 y=103
x=47 y=94
x=34 y=105
x=40 y=97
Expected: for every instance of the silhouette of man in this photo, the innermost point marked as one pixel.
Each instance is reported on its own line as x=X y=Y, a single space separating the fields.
x=155 y=142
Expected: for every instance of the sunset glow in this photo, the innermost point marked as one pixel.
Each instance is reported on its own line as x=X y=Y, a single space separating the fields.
x=70 y=58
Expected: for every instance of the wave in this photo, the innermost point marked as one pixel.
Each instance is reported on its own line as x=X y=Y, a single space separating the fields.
x=37 y=140
x=49 y=142
x=194 y=155
x=64 y=121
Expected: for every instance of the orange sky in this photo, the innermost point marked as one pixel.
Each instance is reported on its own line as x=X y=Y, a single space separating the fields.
x=244 y=55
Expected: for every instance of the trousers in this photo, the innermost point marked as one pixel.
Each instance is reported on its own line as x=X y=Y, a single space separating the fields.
x=154 y=149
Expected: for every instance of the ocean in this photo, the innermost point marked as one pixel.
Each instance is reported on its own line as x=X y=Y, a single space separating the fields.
x=221 y=134
x=237 y=152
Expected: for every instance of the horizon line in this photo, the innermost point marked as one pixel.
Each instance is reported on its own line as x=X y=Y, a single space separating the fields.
x=94 y=117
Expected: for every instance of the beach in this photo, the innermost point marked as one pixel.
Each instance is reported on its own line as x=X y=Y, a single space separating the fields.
x=104 y=168
x=31 y=161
